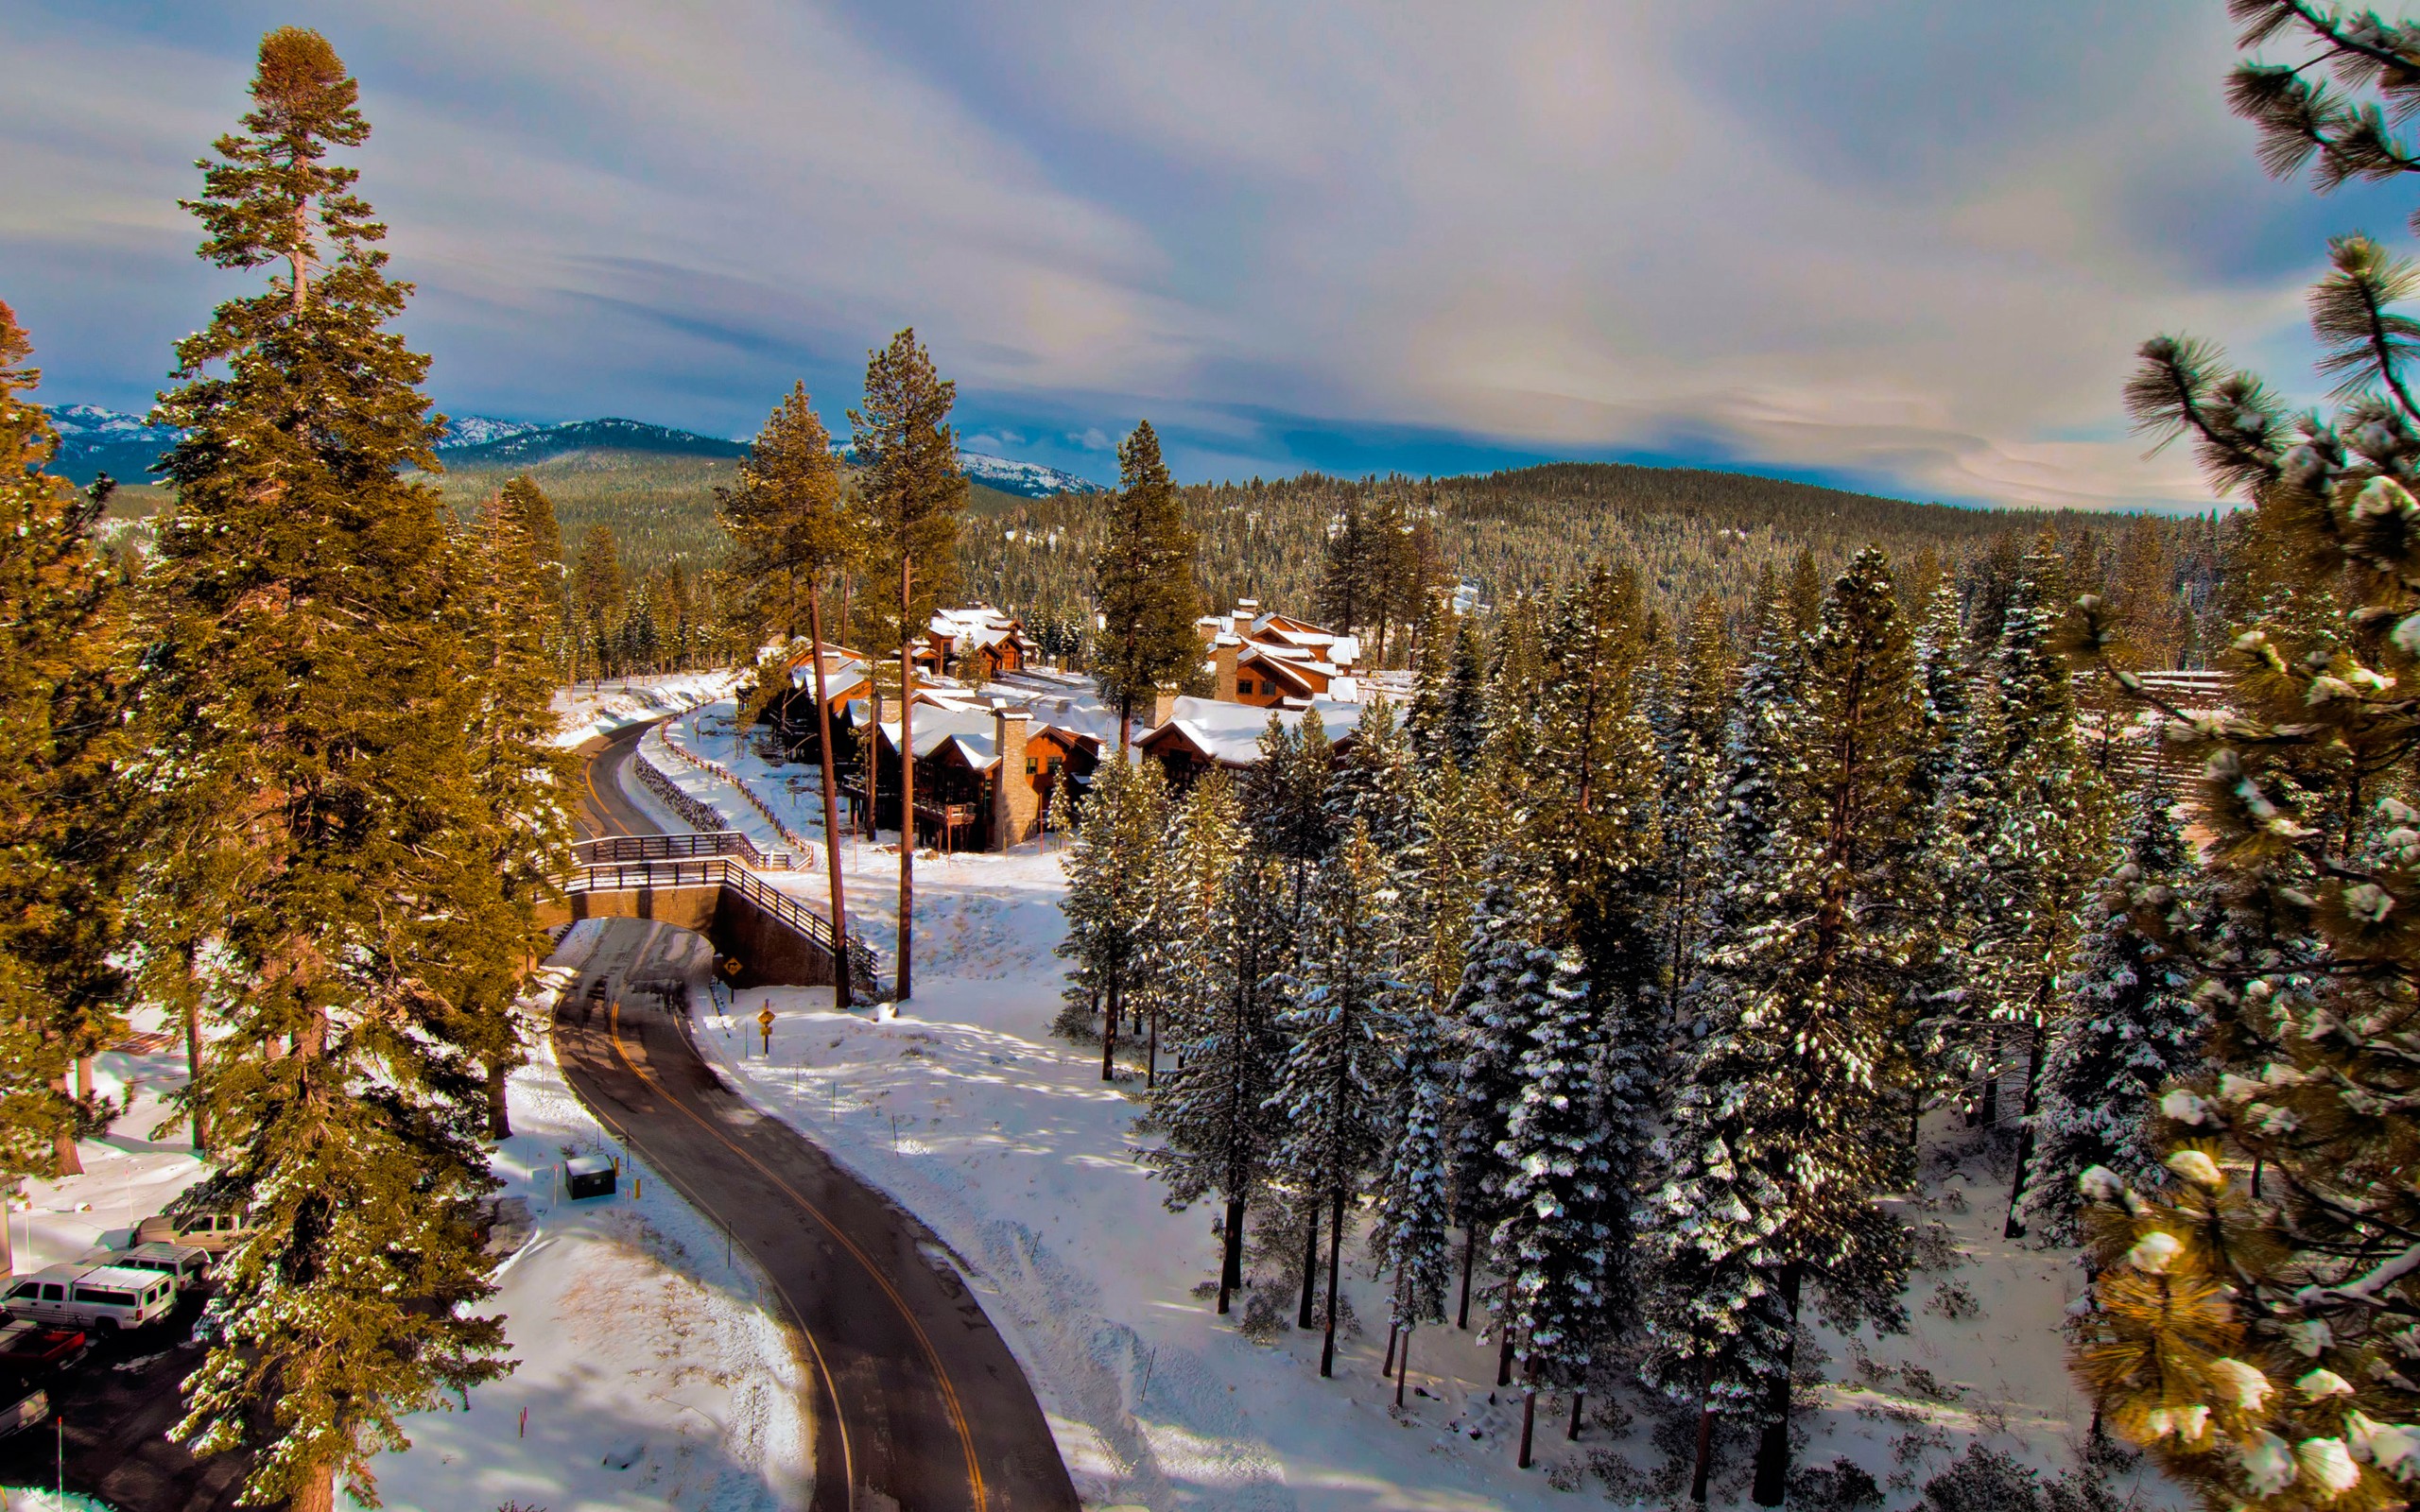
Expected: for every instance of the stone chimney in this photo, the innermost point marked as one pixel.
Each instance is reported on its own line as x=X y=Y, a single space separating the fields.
x=1015 y=806
x=1222 y=661
x=1162 y=706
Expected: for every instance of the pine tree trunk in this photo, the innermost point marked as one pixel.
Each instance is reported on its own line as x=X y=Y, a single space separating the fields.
x=841 y=987
x=1311 y=1266
x=192 y=1066
x=1704 y=1466
x=1504 y=1346
x=1403 y=1367
x=872 y=761
x=1230 y=1265
x=1109 y=1033
x=1395 y=1332
x=83 y=1078
x=315 y=1489
x=63 y=1145
x=1151 y=1054
x=1528 y=1414
x=499 y=1106
x=1572 y=1434
x=1335 y=1251
x=1773 y=1450
x=1470 y=1250
x=1989 y=1115
x=907 y=780
x=2015 y=1227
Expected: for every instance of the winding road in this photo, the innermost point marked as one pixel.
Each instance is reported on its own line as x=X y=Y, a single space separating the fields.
x=917 y=1404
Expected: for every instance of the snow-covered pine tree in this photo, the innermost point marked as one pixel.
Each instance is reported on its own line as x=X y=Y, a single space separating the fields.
x=1424 y=718
x=1784 y=1130
x=1415 y=1211
x=302 y=706
x=1217 y=1133
x=1286 y=798
x=1690 y=743
x=1484 y=1036
x=1515 y=699
x=2256 y=1327
x=1110 y=871
x=2129 y=1028
x=2049 y=839
x=1377 y=781
x=1552 y=1243
x=1344 y=1001
x=1940 y=681
x=62 y=810
x=1465 y=724
x=1596 y=794
x=1174 y=982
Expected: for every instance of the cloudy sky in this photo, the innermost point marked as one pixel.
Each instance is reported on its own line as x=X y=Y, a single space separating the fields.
x=1896 y=244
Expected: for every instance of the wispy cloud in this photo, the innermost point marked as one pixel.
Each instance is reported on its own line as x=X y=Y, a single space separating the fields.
x=1906 y=245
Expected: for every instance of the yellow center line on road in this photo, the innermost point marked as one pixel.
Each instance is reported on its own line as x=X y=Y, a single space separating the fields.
x=831 y=1388
x=941 y=1374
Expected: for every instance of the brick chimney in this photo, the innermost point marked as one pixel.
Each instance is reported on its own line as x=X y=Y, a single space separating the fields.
x=1015 y=806
x=1222 y=658
x=1162 y=706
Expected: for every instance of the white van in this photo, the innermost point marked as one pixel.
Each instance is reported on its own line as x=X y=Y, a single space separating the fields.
x=100 y=1297
x=185 y=1262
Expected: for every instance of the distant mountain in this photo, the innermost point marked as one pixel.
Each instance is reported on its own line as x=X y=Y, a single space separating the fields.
x=540 y=443
x=1026 y=480
x=479 y=430
x=92 y=439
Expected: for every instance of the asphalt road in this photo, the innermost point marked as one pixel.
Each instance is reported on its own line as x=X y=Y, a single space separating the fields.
x=916 y=1402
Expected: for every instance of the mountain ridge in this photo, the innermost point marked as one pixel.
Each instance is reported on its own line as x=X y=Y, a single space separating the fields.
x=93 y=439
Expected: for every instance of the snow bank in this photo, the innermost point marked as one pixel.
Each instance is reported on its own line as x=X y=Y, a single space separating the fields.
x=589 y=709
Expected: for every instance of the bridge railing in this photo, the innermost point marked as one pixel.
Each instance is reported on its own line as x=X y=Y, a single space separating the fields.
x=701 y=871
x=618 y=847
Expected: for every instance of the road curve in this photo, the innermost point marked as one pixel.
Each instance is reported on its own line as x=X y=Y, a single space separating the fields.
x=917 y=1403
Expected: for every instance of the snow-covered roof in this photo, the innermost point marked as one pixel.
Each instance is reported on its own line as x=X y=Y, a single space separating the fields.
x=1229 y=733
x=972 y=732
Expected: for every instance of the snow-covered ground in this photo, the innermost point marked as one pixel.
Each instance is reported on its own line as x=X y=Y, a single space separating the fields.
x=589 y=709
x=1008 y=1145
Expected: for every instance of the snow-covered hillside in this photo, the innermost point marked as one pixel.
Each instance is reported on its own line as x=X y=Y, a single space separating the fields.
x=90 y=423
x=480 y=430
x=1026 y=480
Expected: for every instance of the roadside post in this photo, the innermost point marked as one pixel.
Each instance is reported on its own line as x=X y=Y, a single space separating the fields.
x=765 y=1023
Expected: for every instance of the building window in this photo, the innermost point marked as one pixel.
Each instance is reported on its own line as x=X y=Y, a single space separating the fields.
x=1032 y=767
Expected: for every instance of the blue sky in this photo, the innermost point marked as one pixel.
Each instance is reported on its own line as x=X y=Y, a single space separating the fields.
x=1899 y=245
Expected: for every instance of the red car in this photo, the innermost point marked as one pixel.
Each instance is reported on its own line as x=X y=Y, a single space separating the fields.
x=30 y=1348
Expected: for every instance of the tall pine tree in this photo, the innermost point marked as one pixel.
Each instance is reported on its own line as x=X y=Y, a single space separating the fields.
x=303 y=705
x=62 y=809
x=1143 y=585
x=912 y=492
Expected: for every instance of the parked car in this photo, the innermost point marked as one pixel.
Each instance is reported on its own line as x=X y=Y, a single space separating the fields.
x=30 y=1350
x=188 y=1264
x=213 y=1229
x=30 y=1411
x=102 y=1298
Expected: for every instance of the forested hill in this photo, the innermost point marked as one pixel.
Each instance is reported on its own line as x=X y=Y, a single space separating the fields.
x=1688 y=530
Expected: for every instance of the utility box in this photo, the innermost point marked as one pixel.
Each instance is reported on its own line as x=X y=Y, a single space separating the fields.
x=588 y=1175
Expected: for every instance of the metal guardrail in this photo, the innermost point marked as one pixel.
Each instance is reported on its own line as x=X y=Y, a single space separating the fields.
x=701 y=871
x=618 y=847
